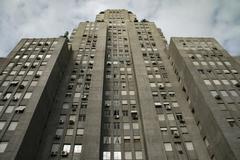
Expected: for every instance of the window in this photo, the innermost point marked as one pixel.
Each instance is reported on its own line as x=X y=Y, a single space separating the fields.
x=131 y=93
x=106 y=155
x=107 y=140
x=69 y=132
x=12 y=73
x=39 y=73
x=138 y=155
x=55 y=147
x=189 y=146
x=133 y=102
x=175 y=104
x=227 y=63
x=34 y=83
x=20 y=109
x=67 y=148
x=158 y=76
x=48 y=56
x=224 y=93
x=163 y=130
x=178 y=146
x=135 y=126
x=12 y=126
x=80 y=131
x=21 y=73
x=126 y=126
x=3 y=146
x=184 y=129
x=5 y=83
x=168 y=146
x=124 y=93
x=234 y=82
x=59 y=131
x=30 y=73
x=27 y=95
x=124 y=102
x=17 y=96
x=77 y=95
x=216 y=82
x=231 y=122
x=207 y=82
x=233 y=93
x=224 y=81
x=234 y=71
x=152 y=85
x=214 y=93
x=170 y=117
x=195 y=63
x=128 y=155
x=211 y=63
x=9 y=109
x=65 y=106
x=226 y=71
x=2 y=124
x=77 y=148
x=219 y=63
x=117 y=156
x=150 y=76
x=161 y=117
x=72 y=119
x=7 y=96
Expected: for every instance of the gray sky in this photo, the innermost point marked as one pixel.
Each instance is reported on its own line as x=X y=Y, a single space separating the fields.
x=49 y=18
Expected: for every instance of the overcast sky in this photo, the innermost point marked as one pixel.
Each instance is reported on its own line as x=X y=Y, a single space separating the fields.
x=50 y=18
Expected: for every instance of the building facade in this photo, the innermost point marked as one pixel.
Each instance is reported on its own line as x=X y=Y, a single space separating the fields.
x=115 y=90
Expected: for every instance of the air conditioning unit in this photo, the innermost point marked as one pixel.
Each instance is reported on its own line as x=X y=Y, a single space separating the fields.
x=14 y=83
x=34 y=65
x=176 y=134
x=217 y=97
x=53 y=153
x=168 y=107
x=38 y=58
x=237 y=84
x=15 y=98
x=74 y=109
x=84 y=97
x=57 y=136
x=21 y=86
x=61 y=121
x=161 y=86
x=107 y=105
x=116 y=116
x=37 y=75
x=180 y=151
x=20 y=109
x=64 y=154
x=70 y=86
x=71 y=122
x=182 y=121
x=134 y=115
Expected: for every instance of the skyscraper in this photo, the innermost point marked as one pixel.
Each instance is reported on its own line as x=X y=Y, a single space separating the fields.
x=116 y=90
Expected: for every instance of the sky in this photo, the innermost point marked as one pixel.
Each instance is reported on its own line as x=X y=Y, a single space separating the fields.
x=51 y=18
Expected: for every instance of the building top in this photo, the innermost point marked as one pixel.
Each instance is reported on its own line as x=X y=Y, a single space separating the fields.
x=115 y=15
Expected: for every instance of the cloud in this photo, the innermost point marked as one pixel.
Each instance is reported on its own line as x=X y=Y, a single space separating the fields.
x=28 y=18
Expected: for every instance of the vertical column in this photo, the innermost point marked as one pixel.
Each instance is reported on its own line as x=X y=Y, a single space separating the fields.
x=92 y=135
x=151 y=131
